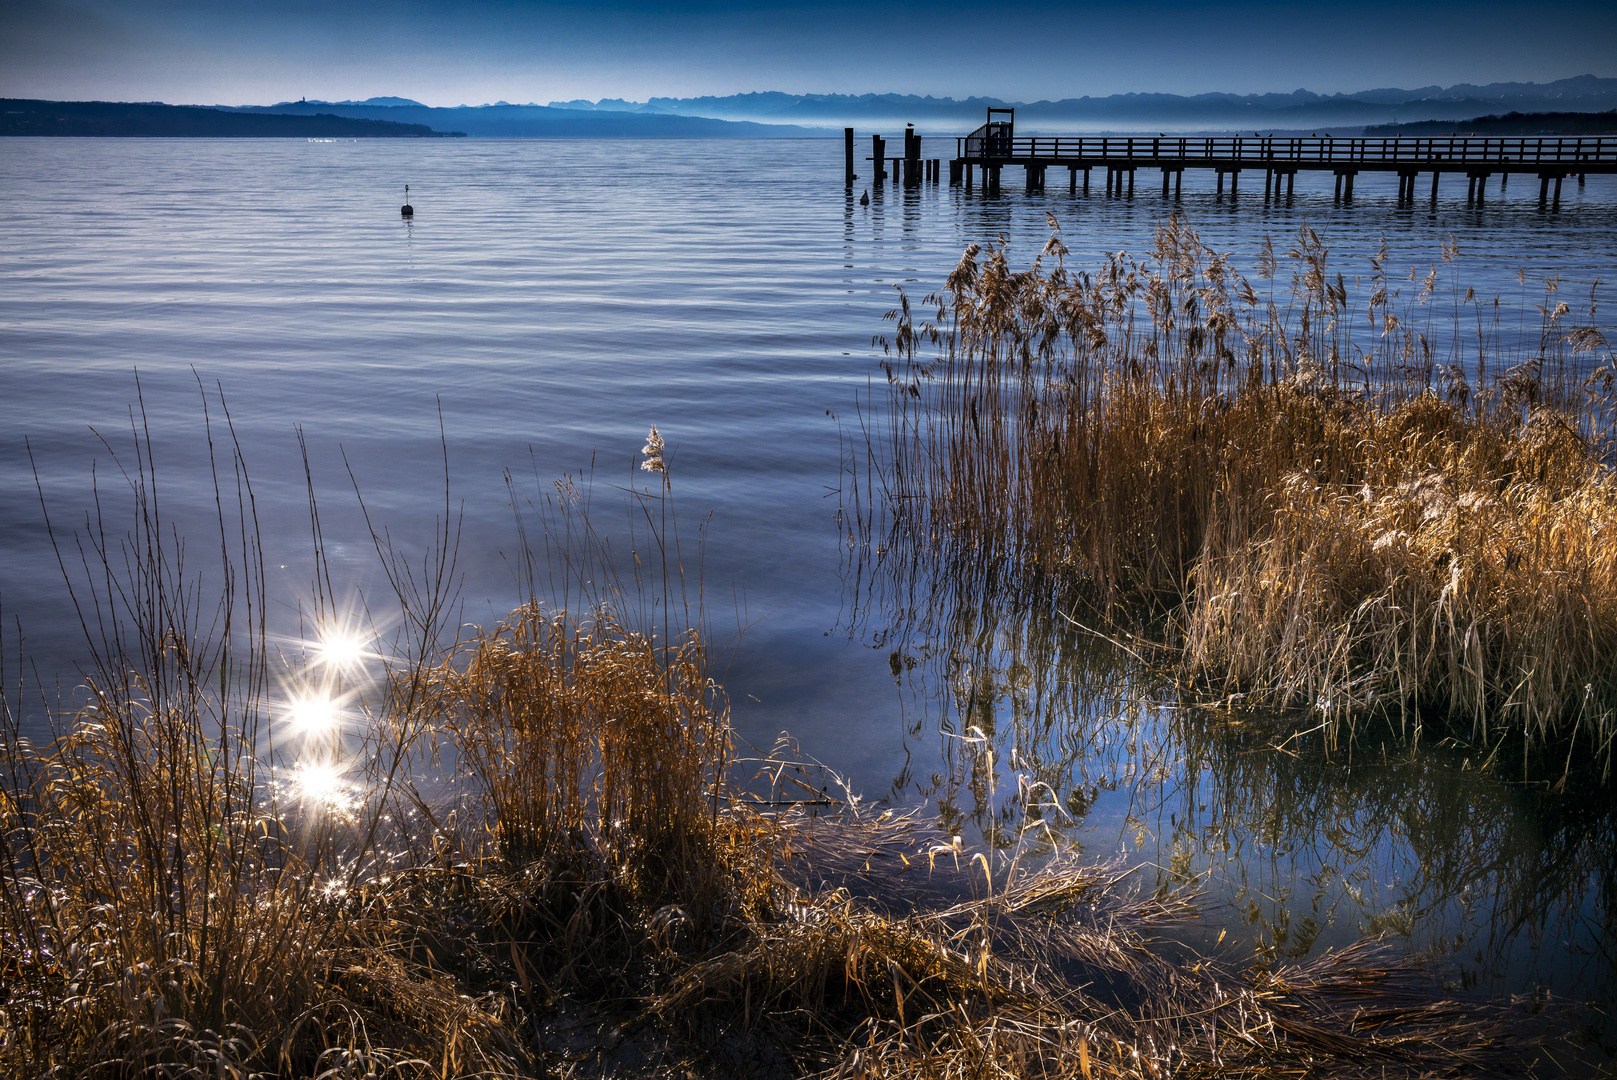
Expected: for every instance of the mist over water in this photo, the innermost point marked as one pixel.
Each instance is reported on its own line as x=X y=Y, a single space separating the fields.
x=551 y=300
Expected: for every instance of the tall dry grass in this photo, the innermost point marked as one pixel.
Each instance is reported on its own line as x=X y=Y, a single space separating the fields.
x=1397 y=505
x=174 y=899
x=169 y=908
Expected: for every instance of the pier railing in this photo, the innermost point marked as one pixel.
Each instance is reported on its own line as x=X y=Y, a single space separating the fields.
x=1566 y=153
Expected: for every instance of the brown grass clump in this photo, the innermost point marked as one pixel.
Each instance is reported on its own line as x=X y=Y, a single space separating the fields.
x=1305 y=506
x=599 y=756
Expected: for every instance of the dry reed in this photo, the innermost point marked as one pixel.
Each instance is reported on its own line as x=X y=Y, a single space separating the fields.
x=1285 y=498
x=165 y=911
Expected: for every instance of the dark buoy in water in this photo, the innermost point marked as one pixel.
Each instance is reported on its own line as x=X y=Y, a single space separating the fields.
x=407 y=210
x=864 y=200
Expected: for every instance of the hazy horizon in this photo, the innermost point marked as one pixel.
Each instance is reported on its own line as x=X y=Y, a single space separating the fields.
x=233 y=53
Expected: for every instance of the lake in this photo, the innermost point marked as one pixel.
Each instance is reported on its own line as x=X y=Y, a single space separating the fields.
x=551 y=300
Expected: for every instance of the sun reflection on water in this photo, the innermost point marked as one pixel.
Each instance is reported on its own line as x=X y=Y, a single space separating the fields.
x=313 y=713
x=343 y=648
x=323 y=783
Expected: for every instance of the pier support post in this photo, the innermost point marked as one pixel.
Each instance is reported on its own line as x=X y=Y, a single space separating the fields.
x=1086 y=181
x=912 y=158
x=1268 y=182
x=1219 y=189
x=1435 y=175
x=878 y=158
x=1235 y=178
x=1338 y=194
x=1072 y=179
x=954 y=172
x=1131 y=186
x=847 y=140
x=1164 y=183
x=1558 y=180
x=1178 y=184
x=991 y=184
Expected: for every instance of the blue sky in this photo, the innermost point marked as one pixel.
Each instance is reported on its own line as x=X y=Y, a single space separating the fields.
x=233 y=52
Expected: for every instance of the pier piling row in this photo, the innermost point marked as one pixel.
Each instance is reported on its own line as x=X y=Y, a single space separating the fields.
x=980 y=156
x=1552 y=159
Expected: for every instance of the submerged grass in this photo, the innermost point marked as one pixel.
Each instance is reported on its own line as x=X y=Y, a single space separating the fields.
x=1290 y=499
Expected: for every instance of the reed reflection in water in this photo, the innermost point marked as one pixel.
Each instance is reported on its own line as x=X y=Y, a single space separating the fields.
x=1301 y=843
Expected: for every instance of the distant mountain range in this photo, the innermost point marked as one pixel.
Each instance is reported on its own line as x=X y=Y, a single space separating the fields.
x=780 y=115
x=1301 y=109
x=503 y=120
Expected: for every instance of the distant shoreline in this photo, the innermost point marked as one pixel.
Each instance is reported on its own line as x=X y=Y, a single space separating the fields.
x=22 y=116
x=1513 y=123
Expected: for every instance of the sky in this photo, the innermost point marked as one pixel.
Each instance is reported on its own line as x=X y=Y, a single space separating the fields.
x=236 y=52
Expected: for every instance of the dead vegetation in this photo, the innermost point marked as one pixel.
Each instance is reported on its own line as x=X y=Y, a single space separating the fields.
x=171 y=906
x=1288 y=497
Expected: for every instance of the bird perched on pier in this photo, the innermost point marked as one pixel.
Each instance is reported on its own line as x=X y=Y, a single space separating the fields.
x=864 y=200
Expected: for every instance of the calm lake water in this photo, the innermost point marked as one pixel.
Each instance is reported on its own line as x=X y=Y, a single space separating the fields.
x=552 y=300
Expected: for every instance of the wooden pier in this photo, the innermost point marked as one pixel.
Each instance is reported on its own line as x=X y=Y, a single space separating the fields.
x=980 y=156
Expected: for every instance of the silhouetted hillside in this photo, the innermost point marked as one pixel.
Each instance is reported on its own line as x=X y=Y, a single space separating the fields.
x=21 y=116
x=1515 y=123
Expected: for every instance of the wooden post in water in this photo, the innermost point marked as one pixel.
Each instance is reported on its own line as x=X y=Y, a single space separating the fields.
x=1435 y=175
x=847 y=139
x=1072 y=179
x=1131 y=183
x=912 y=158
x=878 y=158
x=1219 y=190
